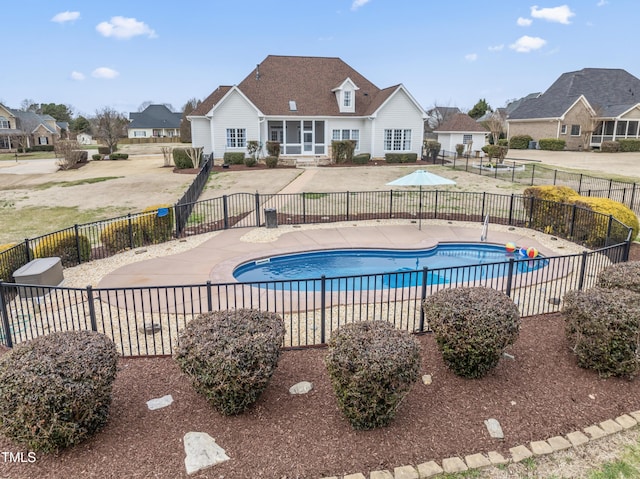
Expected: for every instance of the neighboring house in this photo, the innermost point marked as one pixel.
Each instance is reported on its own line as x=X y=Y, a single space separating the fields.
x=436 y=116
x=85 y=139
x=304 y=103
x=461 y=129
x=25 y=129
x=155 y=121
x=584 y=108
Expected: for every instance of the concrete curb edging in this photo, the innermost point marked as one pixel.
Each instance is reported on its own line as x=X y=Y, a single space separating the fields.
x=518 y=453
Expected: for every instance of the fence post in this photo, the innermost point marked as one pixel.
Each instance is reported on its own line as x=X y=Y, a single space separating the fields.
x=75 y=227
x=533 y=173
x=512 y=263
x=257 y=209
x=583 y=267
x=633 y=196
x=511 y=209
x=484 y=197
x=573 y=221
x=92 y=309
x=555 y=174
x=347 y=215
x=435 y=206
x=27 y=250
x=580 y=184
x=610 y=185
x=304 y=209
x=130 y=231
x=607 y=238
x=209 y=298
x=5 y=318
x=225 y=211
x=513 y=172
x=423 y=296
x=323 y=302
x=390 y=204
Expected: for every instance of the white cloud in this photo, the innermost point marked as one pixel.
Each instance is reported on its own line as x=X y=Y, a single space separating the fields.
x=104 y=72
x=524 y=22
x=496 y=48
x=124 y=28
x=602 y=3
x=358 y=3
x=471 y=57
x=77 y=76
x=526 y=44
x=65 y=17
x=560 y=14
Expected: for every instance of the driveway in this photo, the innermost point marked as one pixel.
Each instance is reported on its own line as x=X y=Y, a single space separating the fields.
x=28 y=167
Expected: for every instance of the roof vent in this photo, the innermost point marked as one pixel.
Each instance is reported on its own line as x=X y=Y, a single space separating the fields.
x=258 y=71
x=292 y=105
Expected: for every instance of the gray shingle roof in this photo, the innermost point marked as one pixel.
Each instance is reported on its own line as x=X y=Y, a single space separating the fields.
x=609 y=91
x=155 y=116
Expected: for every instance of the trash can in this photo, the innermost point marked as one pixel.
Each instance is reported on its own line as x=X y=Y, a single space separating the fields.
x=271 y=217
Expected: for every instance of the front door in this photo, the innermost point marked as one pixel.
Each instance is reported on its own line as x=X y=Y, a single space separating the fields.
x=307 y=137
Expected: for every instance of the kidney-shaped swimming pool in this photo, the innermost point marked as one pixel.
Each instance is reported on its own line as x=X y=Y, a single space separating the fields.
x=377 y=268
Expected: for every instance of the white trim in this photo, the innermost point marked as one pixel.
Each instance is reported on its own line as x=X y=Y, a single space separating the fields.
x=411 y=98
x=231 y=90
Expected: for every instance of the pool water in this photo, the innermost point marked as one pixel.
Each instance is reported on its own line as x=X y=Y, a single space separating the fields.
x=452 y=262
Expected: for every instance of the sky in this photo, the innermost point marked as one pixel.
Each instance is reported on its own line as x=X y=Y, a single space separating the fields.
x=121 y=54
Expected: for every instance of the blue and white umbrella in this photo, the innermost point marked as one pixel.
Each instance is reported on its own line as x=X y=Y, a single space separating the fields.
x=421 y=178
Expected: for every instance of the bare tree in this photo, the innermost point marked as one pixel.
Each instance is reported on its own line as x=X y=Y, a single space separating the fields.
x=588 y=121
x=185 y=125
x=109 y=127
x=144 y=105
x=195 y=155
x=166 y=154
x=437 y=115
x=69 y=154
x=495 y=124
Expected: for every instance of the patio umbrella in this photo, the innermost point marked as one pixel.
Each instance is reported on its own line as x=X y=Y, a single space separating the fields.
x=421 y=178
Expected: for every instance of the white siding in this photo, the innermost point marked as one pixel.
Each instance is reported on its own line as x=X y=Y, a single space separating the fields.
x=351 y=124
x=448 y=141
x=201 y=134
x=148 y=132
x=399 y=112
x=233 y=112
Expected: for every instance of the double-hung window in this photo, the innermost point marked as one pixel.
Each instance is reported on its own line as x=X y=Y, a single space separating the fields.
x=236 y=138
x=575 y=130
x=397 y=140
x=4 y=123
x=347 y=99
x=345 y=134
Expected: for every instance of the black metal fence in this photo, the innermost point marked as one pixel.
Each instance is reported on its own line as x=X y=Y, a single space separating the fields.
x=148 y=320
x=533 y=174
x=185 y=204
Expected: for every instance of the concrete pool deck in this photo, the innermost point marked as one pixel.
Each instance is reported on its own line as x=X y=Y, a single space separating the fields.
x=215 y=259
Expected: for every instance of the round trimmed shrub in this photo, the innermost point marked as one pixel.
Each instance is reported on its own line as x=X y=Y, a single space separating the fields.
x=621 y=275
x=181 y=159
x=230 y=356
x=372 y=366
x=602 y=327
x=121 y=235
x=520 y=142
x=271 y=161
x=250 y=161
x=472 y=327
x=64 y=245
x=156 y=229
x=55 y=390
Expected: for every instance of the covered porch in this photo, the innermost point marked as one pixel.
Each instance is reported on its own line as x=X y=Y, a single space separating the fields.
x=306 y=137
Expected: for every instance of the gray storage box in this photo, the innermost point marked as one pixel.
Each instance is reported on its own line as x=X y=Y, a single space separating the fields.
x=41 y=272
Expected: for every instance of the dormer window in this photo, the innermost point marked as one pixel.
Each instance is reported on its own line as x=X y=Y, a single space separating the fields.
x=4 y=123
x=346 y=100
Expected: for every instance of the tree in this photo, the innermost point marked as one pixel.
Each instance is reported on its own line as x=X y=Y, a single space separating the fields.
x=144 y=105
x=80 y=125
x=109 y=127
x=185 y=125
x=495 y=124
x=479 y=109
x=438 y=115
x=589 y=122
x=29 y=104
x=58 y=111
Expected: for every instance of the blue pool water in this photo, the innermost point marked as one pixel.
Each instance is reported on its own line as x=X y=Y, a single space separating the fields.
x=446 y=263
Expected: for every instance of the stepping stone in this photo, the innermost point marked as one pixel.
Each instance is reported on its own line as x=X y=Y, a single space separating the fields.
x=540 y=448
x=476 y=461
x=405 y=472
x=496 y=458
x=454 y=464
x=626 y=421
x=159 y=403
x=494 y=428
x=202 y=452
x=429 y=469
x=302 y=387
x=577 y=438
x=520 y=453
x=558 y=443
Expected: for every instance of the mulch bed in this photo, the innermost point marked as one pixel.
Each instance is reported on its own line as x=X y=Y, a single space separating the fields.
x=538 y=394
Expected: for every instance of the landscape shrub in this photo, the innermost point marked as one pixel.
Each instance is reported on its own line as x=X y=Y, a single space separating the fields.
x=250 y=161
x=400 y=157
x=230 y=356
x=459 y=149
x=342 y=150
x=156 y=229
x=66 y=245
x=473 y=327
x=271 y=161
x=80 y=156
x=610 y=147
x=181 y=159
x=118 y=156
x=361 y=159
x=372 y=366
x=520 y=142
x=122 y=234
x=55 y=390
x=13 y=256
x=629 y=144
x=602 y=327
x=621 y=275
x=592 y=229
x=96 y=157
x=273 y=148
x=551 y=144
x=233 y=157
x=42 y=148
x=547 y=208
x=104 y=150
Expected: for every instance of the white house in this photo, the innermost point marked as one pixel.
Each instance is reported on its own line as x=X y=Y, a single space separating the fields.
x=304 y=103
x=155 y=121
x=461 y=129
